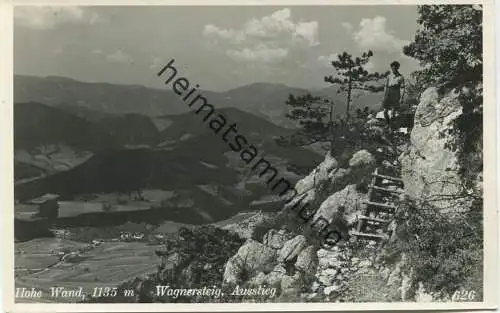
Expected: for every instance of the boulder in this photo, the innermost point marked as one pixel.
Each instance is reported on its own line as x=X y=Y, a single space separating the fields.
x=259 y=280
x=360 y=158
x=292 y=248
x=318 y=175
x=338 y=174
x=301 y=200
x=307 y=186
x=327 y=276
x=342 y=207
x=251 y=258
x=292 y=282
x=275 y=238
x=322 y=253
x=246 y=227
x=307 y=261
x=274 y=278
x=338 y=177
x=327 y=259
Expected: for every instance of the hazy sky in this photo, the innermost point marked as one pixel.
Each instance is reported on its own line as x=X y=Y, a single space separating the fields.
x=217 y=47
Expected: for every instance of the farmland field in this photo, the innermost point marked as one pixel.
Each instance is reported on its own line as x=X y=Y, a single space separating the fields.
x=74 y=208
x=107 y=265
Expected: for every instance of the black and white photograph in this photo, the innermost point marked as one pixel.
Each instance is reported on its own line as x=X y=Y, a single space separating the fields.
x=252 y=154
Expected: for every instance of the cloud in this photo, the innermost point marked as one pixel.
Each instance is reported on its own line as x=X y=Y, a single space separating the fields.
x=269 y=39
x=347 y=26
x=156 y=63
x=97 y=51
x=326 y=60
x=372 y=34
x=119 y=57
x=213 y=31
x=260 y=53
x=46 y=17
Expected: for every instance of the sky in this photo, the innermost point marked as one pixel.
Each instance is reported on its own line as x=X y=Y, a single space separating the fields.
x=217 y=47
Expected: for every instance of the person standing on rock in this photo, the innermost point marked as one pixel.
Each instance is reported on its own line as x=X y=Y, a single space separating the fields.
x=393 y=93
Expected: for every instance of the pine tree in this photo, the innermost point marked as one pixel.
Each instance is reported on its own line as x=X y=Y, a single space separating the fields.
x=314 y=114
x=352 y=75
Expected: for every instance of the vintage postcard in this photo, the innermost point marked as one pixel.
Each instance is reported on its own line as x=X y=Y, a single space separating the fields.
x=220 y=157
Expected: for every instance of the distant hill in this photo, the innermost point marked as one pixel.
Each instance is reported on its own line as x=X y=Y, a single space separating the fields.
x=36 y=124
x=49 y=139
x=129 y=170
x=91 y=99
x=184 y=157
x=190 y=143
x=74 y=138
x=246 y=124
x=101 y=97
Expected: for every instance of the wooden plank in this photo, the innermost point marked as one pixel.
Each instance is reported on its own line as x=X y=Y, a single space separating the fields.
x=386 y=189
x=367 y=235
x=373 y=219
x=381 y=205
x=370 y=193
x=388 y=177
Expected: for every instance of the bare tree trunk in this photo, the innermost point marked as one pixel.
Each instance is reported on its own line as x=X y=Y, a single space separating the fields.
x=349 y=91
x=330 y=126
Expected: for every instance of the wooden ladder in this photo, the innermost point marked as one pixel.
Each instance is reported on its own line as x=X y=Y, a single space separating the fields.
x=377 y=214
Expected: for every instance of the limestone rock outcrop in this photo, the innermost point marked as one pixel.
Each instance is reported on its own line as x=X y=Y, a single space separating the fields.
x=429 y=168
x=245 y=228
x=318 y=175
x=342 y=207
x=275 y=238
x=362 y=157
x=307 y=187
x=292 y=248
x=251 y=258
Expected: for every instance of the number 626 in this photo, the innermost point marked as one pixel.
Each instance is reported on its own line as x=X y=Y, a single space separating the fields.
x=464 y=295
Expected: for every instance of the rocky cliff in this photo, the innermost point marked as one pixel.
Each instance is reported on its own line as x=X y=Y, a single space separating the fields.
x=355 y=270
x=281 y=252
x=290 y=260
x=430 y=169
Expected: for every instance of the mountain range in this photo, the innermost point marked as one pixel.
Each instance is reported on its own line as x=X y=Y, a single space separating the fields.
x=91 y=99
x=77 y=139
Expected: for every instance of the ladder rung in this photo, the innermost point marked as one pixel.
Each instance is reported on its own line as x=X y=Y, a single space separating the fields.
x=367 y=218
x=381 y=205
x=388 y=177
x=367 y=235
x=386 y=189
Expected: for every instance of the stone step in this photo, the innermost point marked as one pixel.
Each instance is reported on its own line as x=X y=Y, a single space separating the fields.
x=367 y=235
